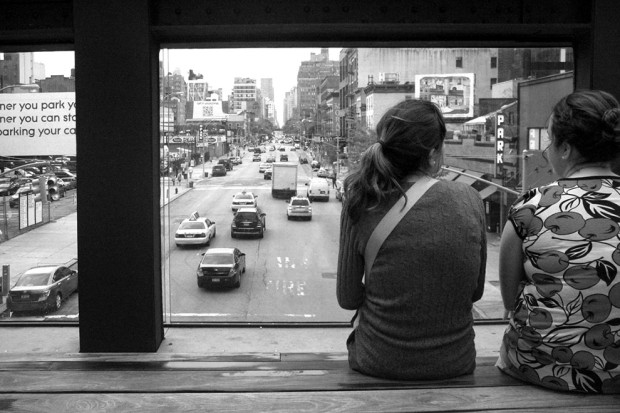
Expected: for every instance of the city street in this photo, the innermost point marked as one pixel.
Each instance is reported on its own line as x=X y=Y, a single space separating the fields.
x=291 y=272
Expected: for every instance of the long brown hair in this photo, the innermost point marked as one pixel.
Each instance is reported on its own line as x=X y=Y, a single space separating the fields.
x=406 y=133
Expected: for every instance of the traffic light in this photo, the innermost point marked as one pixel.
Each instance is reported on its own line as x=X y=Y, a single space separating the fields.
x=200 y=134
x=53 y=188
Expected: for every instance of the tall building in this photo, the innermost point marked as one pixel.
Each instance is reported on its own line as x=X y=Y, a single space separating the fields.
x=20 y=68
x=290 y=105
x=362 y=67
x=533 y=63
x=266 y=86
x=173 y=98
x=244 y=94
x=197 y=90
x=310 y=75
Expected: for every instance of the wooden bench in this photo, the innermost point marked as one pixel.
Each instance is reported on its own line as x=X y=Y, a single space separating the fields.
x=287 y=382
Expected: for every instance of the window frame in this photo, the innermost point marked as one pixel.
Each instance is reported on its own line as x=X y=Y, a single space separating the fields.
x=145 y=27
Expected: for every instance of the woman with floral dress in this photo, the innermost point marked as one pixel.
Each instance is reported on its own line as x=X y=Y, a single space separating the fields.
x=560 y=255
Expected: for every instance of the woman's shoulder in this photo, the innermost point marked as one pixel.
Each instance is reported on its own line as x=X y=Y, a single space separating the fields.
x=454 y=187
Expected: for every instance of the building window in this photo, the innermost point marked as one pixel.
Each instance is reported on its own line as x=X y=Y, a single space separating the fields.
x=493 y=62
x=538 y=138
x=459 y=62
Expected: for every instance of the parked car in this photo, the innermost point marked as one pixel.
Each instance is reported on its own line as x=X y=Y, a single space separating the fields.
x=271 y=158
x=244 y=199
x=233 y=160
x=299 y=207
x=318 y=188
x=284 y=158
x=43 y=288
x=248 y=221
x=23 y=190
x=226 y=163
x=68 y=177
x=195 y=230
x=8 y=186
x=256 y=158
x=221 y=267
x=218 y=170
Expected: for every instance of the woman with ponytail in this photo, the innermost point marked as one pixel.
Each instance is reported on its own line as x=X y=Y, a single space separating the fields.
x=560 y=256
x=414 y=305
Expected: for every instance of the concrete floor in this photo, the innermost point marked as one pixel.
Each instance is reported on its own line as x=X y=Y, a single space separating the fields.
x=218 y=340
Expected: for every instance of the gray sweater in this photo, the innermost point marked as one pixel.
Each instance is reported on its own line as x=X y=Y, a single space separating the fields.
x=415 y=309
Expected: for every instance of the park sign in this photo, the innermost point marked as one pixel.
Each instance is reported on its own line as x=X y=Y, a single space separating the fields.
x=34 y=124
x=500 y=136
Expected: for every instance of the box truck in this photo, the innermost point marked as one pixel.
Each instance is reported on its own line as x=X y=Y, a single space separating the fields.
x=284 y=180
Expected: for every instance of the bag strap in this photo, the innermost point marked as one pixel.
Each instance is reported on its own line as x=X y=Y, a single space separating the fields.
x=393 y=217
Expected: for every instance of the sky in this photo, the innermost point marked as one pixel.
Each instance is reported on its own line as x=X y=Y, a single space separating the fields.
x=218 y=66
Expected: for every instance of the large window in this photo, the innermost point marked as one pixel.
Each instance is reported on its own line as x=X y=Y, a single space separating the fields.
x=38 y=187
x=217 y=147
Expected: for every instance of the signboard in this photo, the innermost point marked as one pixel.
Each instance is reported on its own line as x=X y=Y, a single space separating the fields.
x=453 y=93
x=208 y=110
x=37 y=124
x=499 y=144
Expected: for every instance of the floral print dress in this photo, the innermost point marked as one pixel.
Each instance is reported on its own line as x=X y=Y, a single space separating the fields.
x=565 y=331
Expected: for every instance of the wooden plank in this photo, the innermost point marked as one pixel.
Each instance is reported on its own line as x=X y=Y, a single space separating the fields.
x=514 y=399
x=142 y=357
x=228 y=381
x=171 y=365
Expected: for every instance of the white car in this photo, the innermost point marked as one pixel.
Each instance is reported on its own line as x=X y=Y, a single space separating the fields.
x=244 y=200
x=263 y=167
x=299 y=207
x=195 y=230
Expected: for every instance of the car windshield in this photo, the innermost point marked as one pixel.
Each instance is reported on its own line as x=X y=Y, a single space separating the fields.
x=192 y=225
x=246 y=216
x=243 y=196
x=300 y=202
x=218 y=259
x=33 y=279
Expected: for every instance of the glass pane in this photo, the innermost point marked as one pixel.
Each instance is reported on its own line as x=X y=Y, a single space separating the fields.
x=38 y=185
x=241 y=108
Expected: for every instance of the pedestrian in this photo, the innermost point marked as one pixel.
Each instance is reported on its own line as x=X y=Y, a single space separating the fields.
x=333 y=176
x=559 y=257
x=179 y=177
x=414 y=286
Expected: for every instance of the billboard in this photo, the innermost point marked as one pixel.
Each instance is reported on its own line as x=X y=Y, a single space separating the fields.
x=208 y=110
x=37 y=124
x=453 y=93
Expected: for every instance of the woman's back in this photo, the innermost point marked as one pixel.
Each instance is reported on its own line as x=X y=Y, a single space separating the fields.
x=416 y=318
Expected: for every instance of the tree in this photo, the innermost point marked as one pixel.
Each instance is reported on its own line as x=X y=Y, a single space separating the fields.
x=358 y=140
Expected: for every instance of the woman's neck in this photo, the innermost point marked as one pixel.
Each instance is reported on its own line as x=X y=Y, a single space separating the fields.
x=588 y=169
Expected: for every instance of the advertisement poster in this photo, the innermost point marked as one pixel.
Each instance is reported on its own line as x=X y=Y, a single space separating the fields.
x=453 y=93
x=37 y=124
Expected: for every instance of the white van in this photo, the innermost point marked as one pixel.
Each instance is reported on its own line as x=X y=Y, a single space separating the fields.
x=318 y=188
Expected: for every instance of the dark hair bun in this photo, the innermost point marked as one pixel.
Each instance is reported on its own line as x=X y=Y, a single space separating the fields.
x=611 y=116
